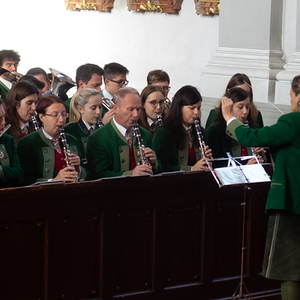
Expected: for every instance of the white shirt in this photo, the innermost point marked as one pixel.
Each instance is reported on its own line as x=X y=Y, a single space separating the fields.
x=6 y=82
x=150 y=121
x=88 y=126
x=120 y=127
x=106 y=94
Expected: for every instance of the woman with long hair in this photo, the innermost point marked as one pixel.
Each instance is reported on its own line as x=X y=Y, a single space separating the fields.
x=176 y=144
x=221 y=143
x=42 y=153
x=242 y=81
x=85 y=111
x=20 y=105
x=282 y=257
x=153 y=105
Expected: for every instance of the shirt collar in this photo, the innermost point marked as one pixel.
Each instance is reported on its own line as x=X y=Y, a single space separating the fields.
x=23 y=125
x=6 y=82
x=187 y=128
x=106 y=94
x=150 y=121
x=120 y=127
x=49 y=137
x=88 y=127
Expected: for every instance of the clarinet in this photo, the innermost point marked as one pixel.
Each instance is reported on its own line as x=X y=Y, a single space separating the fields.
x=34 y=121
x=65 y=147
x=159 y=120
x=99 y=122
x=246 y=123
x=5 y=129
x=137 y=134
x=200 y=137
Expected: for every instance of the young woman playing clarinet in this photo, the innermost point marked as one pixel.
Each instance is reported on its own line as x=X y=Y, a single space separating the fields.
x=11 y=173
x=282 y=255
x=85 y=112
x=20 y=105
x=41 y=153
x=153 y=106
x=176 y=144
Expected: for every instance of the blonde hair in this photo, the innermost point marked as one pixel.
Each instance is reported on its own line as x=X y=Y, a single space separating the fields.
x=296 y=90
x=80 y=99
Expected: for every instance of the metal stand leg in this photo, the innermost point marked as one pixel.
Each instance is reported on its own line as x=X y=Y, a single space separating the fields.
x=238 y=294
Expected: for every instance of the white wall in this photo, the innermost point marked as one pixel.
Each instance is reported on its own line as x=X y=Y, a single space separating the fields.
x=47 y=35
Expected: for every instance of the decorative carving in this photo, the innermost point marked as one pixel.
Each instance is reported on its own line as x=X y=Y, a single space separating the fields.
x=207 y=8
x=165 y=6
x=101 y=5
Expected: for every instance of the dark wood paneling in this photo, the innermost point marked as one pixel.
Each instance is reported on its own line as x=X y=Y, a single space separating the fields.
x=175 y=236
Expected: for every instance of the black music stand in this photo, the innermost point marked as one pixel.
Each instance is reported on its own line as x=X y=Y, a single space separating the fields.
x=237 y=174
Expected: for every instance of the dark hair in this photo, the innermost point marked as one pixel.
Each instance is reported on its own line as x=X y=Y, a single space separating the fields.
x=239 y=79
x=113 y=70
x=236 y=95
x=157 y=76
x=144 y=95
x=47 y=101
x=85 y=73
x=38 y=71
x=296 y=90
x=9 y=54
x=187 y=95
x=15 y=95
x=39 y=84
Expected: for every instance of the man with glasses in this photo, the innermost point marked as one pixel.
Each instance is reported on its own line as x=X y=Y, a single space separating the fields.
x=159 y=78
x=114 y=79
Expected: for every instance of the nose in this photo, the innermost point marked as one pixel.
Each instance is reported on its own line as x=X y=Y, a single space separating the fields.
x=98 y=111
x=245 y=110
x=33 y=106
x=135 y=113
x=98 y=88
x=197 y=112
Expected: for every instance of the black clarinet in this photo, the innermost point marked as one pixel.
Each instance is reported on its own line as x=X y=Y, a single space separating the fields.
x=65 y=146
x=34 y=121
x=246 y=123
x=137 y=134
x=200 y=138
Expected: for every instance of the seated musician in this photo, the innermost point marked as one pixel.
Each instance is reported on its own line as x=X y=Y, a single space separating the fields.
x=9 y=60
x=113 y=150
x=217 y=138
x=87 y=76
x=176 y=143
x=242 y=81
x=11 y=173
x=85 y=111
x=42 y=76
x=41 y=153
x=20 y=105
x=114 y=79
x=153 y=105
x=159 y=78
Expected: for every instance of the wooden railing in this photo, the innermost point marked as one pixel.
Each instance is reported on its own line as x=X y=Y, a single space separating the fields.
x=174 y=236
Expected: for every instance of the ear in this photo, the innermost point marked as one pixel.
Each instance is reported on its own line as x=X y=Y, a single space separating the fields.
x=80 y=84
x=80 y=109
x=106 y=81
x=41 y=117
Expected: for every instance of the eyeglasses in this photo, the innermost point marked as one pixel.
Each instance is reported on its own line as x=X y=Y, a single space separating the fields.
x=57 y=115
x=155 y=103
x=119 y=82
x=166 y=88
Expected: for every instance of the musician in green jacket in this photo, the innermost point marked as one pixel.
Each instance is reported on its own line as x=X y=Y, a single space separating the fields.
x=11 y=173
x=112 y=150
x=41 y=153
x=176 y=144
x=282 y=254
x=85 y=112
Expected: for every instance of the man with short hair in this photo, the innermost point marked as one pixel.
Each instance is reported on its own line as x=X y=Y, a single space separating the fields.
x=114 y=79
x=42 y=76
x=113 y=149
x=9 y=60
x=159 y=78
x=87 y=76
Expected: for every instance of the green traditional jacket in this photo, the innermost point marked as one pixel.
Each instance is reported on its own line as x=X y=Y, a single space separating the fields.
x=11 y=173
x=81 y=133
x=220 y=144
x=171 y=157
x=37 y=156
x=284 y=140
x=4 y=89
x=108 y=152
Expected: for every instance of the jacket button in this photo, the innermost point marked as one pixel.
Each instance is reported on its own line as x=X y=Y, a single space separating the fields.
x=122 y=161
x=47 y=170
x=48 y=159
x=45 y=151
x=121 y=150
x=181 y=157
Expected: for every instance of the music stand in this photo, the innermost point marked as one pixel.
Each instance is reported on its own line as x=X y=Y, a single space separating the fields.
x=237 y=174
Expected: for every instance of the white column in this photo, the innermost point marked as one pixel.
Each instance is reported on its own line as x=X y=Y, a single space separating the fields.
x=250 y=43
x=292 y=68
